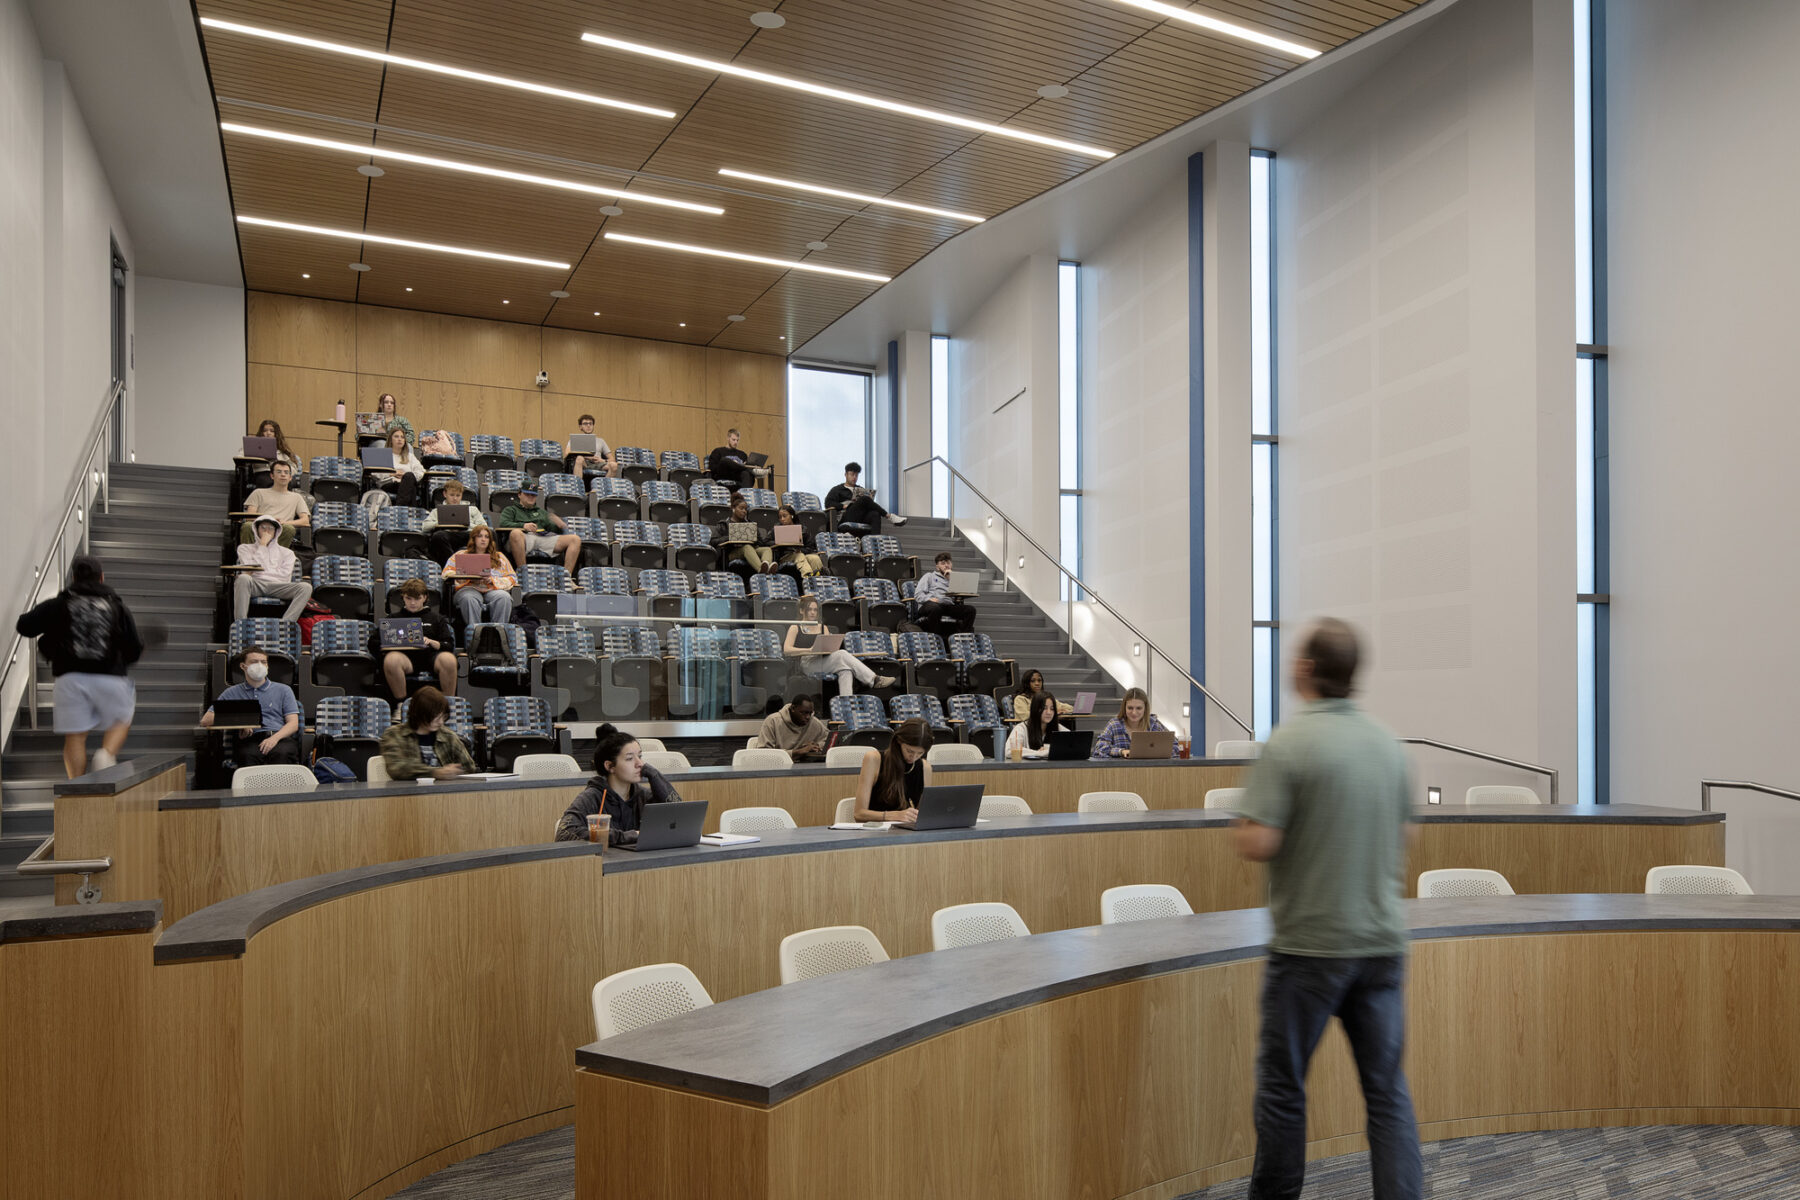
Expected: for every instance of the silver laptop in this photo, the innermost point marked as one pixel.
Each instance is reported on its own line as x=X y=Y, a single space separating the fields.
x=584 y=443
x=964 y=583
x=669 y=826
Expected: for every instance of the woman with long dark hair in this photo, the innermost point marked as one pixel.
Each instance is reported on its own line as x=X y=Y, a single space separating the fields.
x=1030 y=738
x=283 y=451
x=622 y=785
x=1032 y=684
x=891 y=780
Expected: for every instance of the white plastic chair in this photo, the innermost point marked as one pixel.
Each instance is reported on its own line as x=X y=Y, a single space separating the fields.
x=1694 y=880
x=846 y=811
x=845 y=756
x=1142 y=902
x=762 y=760
x=669 y=762
x=973 y=924
x=271 y=778
x=826 y=951
x=946 y=753
x=655 y=744
x=1098 y=802
x=376 y=771
x=1237 y=749
x=546 y=766
x=1495 y=793
x=1224 y=797
x=1461 y=883
x=755 y=820
x=1004 y=806
x=643 y=996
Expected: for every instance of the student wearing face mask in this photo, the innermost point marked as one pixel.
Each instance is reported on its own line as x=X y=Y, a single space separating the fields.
x=278 y=739
x=421 y=746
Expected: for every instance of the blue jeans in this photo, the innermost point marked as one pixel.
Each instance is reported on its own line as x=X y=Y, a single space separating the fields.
x=1299 y=996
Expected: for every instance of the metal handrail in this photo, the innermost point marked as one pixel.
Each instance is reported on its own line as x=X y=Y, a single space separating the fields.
x=47 y=574
x=1742 y=785
x=39 y=862
x=1552 y=772
x=1008 y=525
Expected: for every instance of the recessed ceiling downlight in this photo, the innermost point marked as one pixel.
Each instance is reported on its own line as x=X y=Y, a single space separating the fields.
x=559 y=294
x=737 y=317
x=359 y=266
x=767 y=20
x=371 y=170
x=612 y=210
x=818 y=245
x=1053 y=91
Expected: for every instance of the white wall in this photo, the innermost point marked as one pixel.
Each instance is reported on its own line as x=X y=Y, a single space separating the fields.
x=190 y=370
x=1704 y=162
x=1426 y=330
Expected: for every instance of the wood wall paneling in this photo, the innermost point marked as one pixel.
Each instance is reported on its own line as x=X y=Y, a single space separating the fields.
x=296 y=331
x=123 y=826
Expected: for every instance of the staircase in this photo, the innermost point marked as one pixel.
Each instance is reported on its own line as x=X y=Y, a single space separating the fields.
x=1021 y=631
x=159 y=548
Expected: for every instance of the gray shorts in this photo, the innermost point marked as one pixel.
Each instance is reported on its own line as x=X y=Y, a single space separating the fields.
x=88 y=702
x=539 y=543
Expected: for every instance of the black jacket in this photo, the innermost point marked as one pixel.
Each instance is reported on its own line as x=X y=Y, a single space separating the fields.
x=86 y=630
x=725 y=463
x=627 y=813
x=840 y=496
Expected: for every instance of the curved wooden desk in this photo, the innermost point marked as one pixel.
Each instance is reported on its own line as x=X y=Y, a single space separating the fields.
x=1119 y=1060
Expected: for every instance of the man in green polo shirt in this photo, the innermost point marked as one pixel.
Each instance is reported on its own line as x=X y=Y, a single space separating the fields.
x=1329 y=808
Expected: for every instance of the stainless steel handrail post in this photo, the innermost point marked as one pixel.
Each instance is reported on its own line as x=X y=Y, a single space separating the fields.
x=1742 y=785
x=1005 y=552
x=39 y=862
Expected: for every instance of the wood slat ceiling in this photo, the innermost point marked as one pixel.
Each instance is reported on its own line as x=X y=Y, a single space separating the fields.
x=1132 y=76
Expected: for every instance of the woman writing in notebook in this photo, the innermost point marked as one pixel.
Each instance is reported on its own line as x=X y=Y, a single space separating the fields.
x=1030 y=738
x=1134 y=717
x=485 y=597
x=891 y=780
x=841 y=663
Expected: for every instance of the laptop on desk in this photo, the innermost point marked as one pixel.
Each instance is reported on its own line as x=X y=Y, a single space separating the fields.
x=1070 y=745
x=1152 y=745
x=259 y=447
x=237 y=714
x=370 y=424
x=453 y=515
x=402 y=633
x=669 y=826
x=377 y=458
x=1084 y=704
x=953 y=807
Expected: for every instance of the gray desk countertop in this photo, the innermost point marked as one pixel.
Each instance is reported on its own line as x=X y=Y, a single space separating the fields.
x=79 y=920
x=769 y=1046
x=120 y=776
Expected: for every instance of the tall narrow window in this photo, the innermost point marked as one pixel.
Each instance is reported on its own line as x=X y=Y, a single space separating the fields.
x=1068 y=399
x=1592 y=572
x=1265 y=627
x=828 y=426
x=940 y=424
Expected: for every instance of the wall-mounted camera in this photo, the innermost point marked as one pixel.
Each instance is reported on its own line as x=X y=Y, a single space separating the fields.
x=543 y=379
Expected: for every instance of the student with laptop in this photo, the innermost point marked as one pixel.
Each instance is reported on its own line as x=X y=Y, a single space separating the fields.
x=277 y=738
x=939 y=611
x=1135 y=718
x=588 y=454
x=794 y=729
x=622 y=785
x=1030 y=687
x=1030 y=738
x=447 y=526
x=532 y=529
x=821 y=654
x=790 y=548
x=274 y=575
x=731 y=466
x=483 y=590
x=388 y=419
x=857 y=504
x=283 y=452
x=278 y=500
x=433 y=649
x=743 y=540
x=422 y=746
x=888 y=788
x=406 y=474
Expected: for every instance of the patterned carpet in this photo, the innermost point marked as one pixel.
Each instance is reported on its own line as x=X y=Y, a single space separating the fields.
x=1683 y=1162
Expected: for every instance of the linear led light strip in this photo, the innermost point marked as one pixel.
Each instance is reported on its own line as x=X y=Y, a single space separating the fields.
x=294 y=39
x=377 y=151
x=356 y=235
x=800 y=85
x=1241 y=32
x=825 y=191
x=789 y=264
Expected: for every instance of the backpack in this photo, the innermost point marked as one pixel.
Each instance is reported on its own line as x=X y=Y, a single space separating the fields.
x=311 y=615
x=489 y=649
x=331 y=770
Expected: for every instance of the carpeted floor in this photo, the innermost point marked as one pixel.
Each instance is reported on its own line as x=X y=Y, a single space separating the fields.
x=1684 y=1162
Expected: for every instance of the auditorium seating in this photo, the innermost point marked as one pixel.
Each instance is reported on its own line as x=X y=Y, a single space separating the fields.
x=644 y=995
x=1099 y=802
x=754 y=820
x=1142 y=902
x=973 y=924
x=1686 y=880
x=1462 y=882
x=824 y=951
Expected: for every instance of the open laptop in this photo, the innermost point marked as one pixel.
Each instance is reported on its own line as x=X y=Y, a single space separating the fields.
x=669 y=826
x=259 y=447
x=370 y=424
x=452 y=514
x=745 y=532
x=790 y=535
x=1152 y=745
x=584 y=443
x=754 y=459
x=823 y=643
x=237 y=714
x=473 y=564
x=954 y=807
x=377 y=458
x=1070 y=745
x=1084 y=704
x=964 y=583
x=402 y=633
